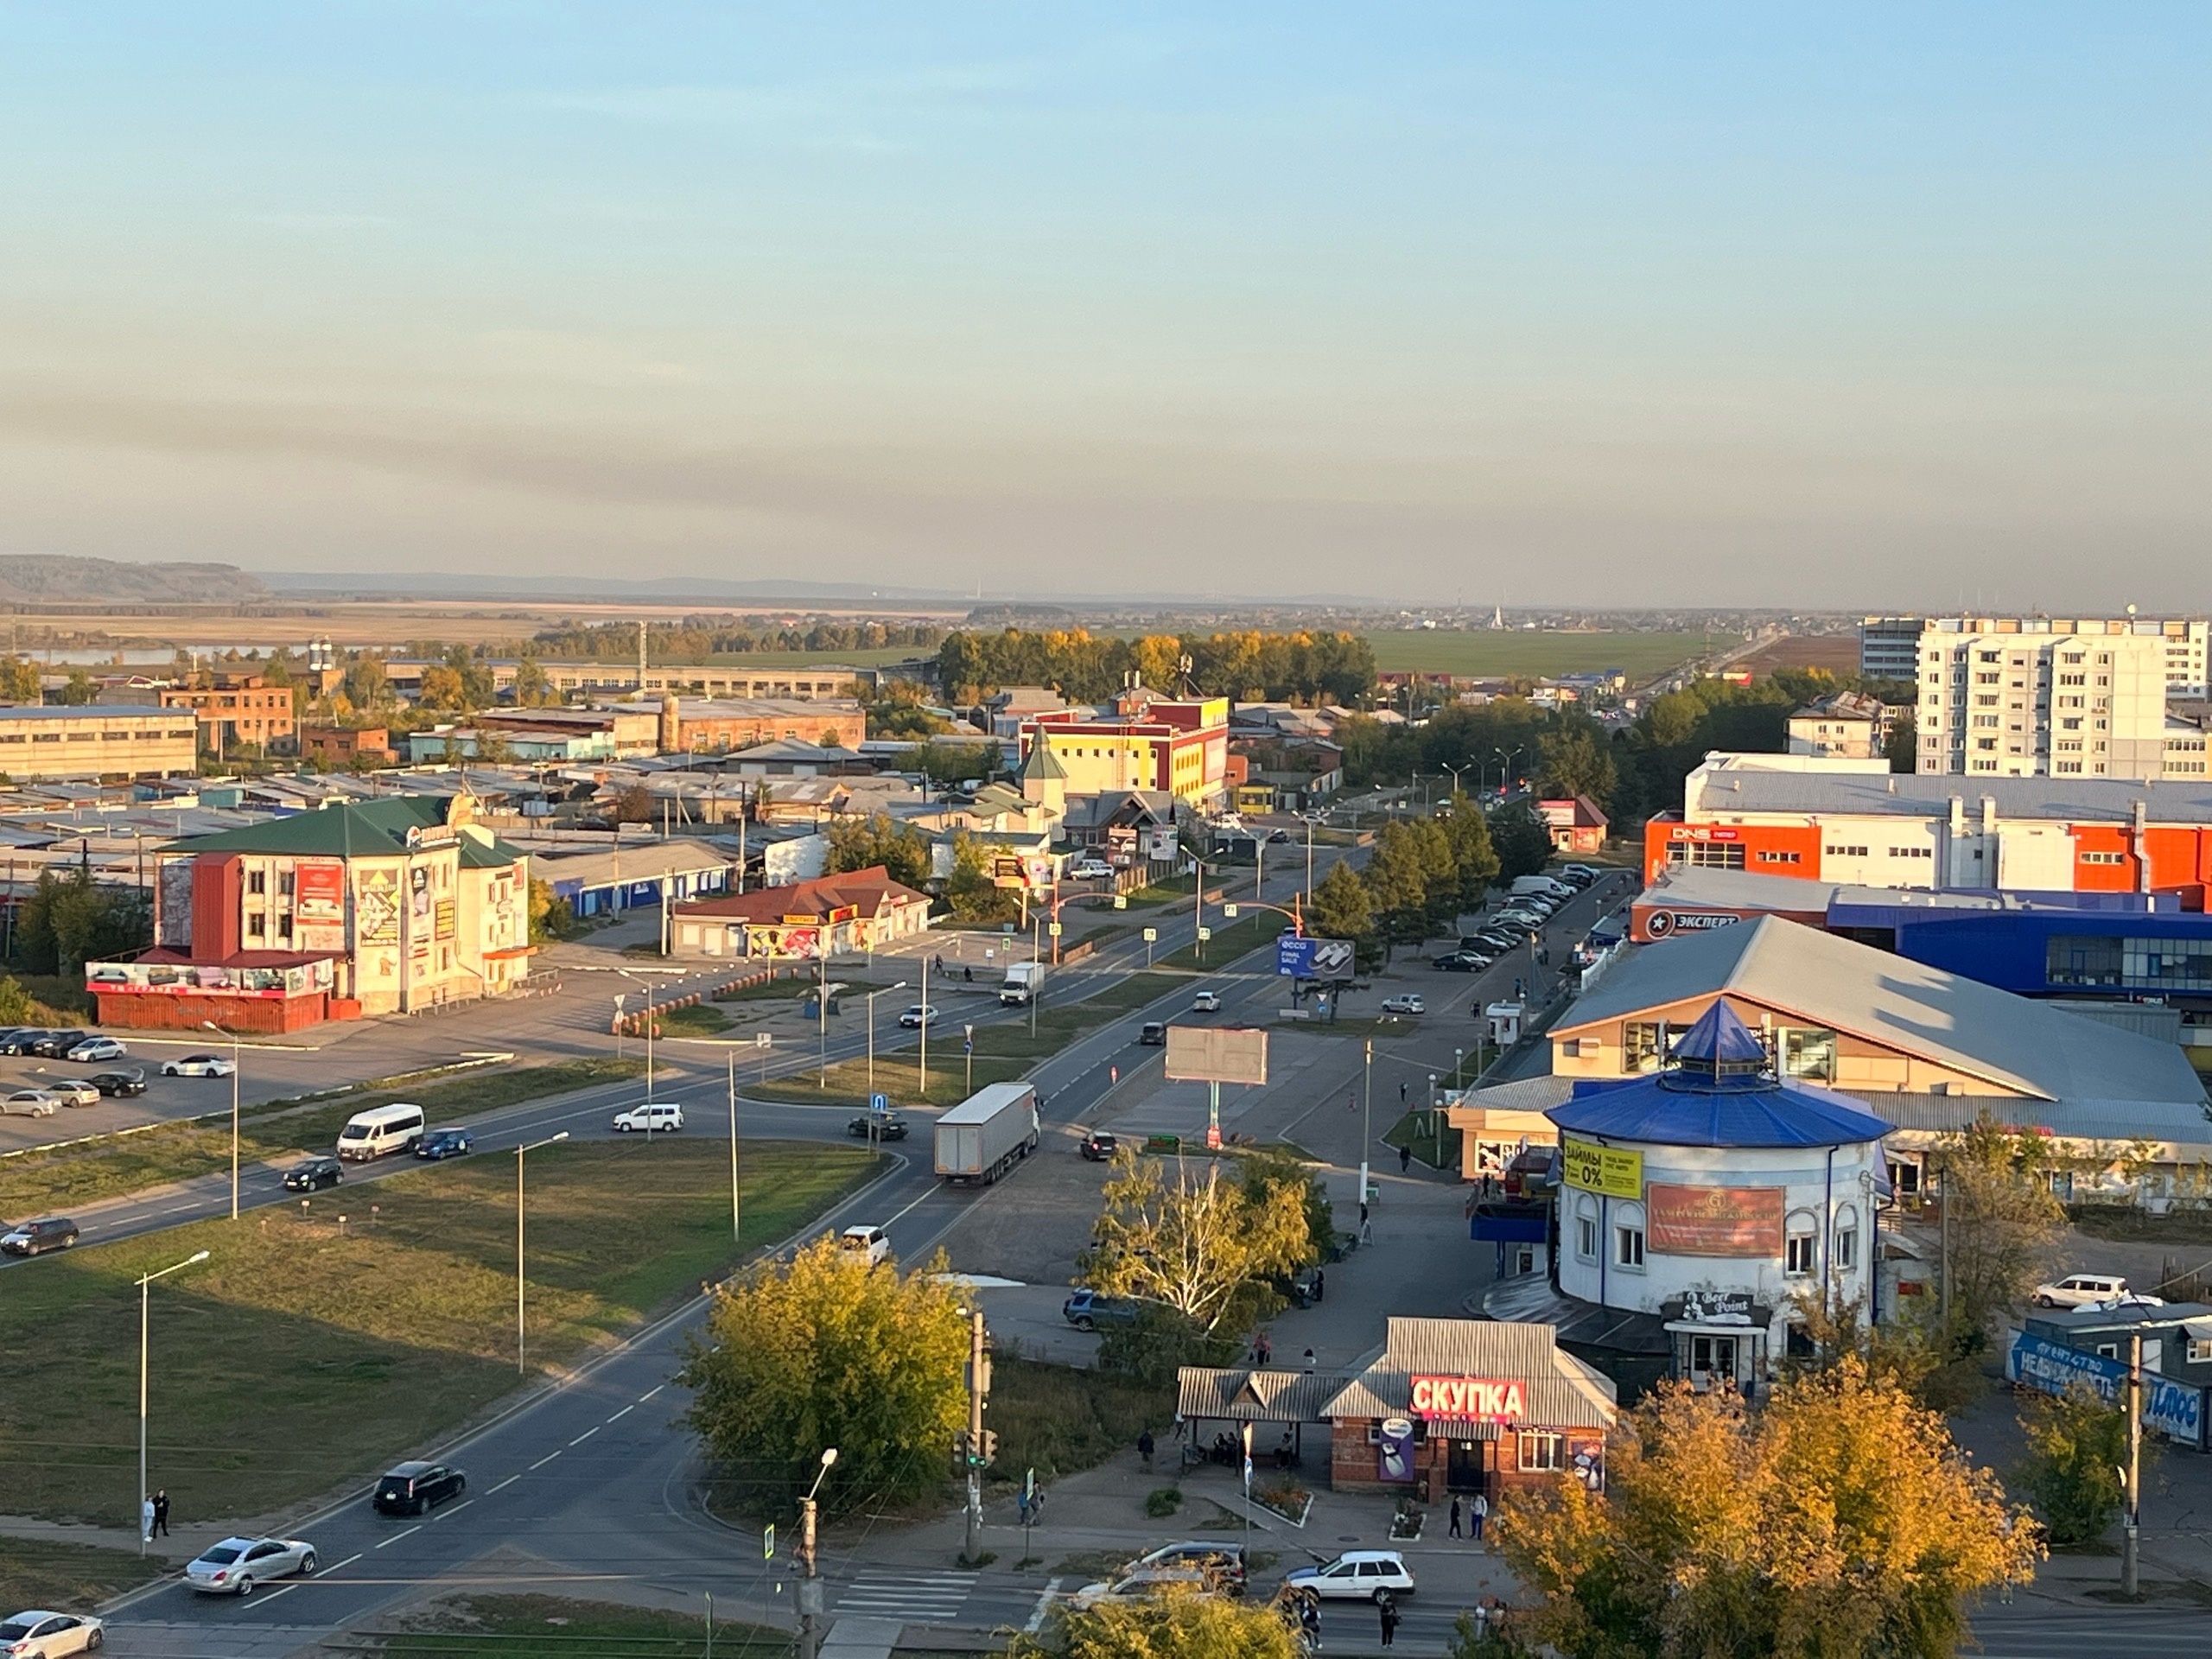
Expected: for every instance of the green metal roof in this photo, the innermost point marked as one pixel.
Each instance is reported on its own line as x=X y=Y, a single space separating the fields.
x=352 y=830
x=1042 y=763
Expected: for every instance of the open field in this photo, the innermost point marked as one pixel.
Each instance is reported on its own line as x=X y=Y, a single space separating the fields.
x=318 y=1344
x=1836 y=652
x=1511 y=653
x=39 y=1183
x=554 y=1627
x=69 y=1578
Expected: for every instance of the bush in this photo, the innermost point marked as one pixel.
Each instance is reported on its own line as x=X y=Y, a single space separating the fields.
x=2075 y=1445
x=1163 y=1503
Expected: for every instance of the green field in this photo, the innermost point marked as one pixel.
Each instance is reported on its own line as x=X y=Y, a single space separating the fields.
x=38 y=1183
x=1512 y=654
x=555 y=1627
x=320 y=1341
x=70 y=1577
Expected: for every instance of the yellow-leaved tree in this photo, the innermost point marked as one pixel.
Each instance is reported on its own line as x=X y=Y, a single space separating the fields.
x=1181 y=1624
x=1192 y=1243
x=1838 y=1521
x=825 y=1351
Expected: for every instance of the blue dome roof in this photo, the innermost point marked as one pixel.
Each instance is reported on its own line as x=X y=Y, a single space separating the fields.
x=1718 y=1094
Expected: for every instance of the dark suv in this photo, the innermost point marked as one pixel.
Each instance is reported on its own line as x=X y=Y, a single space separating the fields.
x=1089 y=1309
x=312 y=1175
x=37 y=1237
x=53 y=1045
x=414 y=1487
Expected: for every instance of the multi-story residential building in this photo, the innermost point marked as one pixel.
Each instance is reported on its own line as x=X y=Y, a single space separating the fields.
x=2025 y=703
x=1849 y=724
x=236 y=709
x=1889 y=648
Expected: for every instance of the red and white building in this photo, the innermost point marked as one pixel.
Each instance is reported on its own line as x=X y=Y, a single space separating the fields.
x=1141 y=741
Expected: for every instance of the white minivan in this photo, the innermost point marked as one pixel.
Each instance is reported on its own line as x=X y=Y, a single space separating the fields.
x=383 y=1129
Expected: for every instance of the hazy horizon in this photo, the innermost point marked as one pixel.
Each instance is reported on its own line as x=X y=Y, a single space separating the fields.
x=1430 y=305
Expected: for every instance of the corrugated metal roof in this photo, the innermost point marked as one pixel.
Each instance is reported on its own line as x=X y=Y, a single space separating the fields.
x=1960 y=1024
x=1725 y=791
x=1562 y=1391
x=1255 y=1396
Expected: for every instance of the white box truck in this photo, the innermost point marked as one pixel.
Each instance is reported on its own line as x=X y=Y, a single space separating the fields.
x=1022 y=982
x=988 y=1134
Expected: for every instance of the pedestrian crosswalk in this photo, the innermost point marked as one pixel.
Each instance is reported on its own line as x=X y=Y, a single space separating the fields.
x=923 y=1598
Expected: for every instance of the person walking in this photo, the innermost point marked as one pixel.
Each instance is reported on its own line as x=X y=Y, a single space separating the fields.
x=1309 y=1359
x=1263 y=1349
x=1309 y=1619
x=1386 y=1609
x=1320 y=1284
x=146 y=1521
x=1405 y=1159
x=1477 y=1512
x=1455 y=1517
x=162 y=1512
x=1112 y=1077
x=1402 y=1091
x=1145 y=1446
x=1352 y=1100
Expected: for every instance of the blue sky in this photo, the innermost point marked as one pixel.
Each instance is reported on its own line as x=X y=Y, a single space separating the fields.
x=1644 y=304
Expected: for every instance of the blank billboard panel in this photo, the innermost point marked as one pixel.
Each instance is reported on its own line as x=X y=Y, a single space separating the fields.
x=1216 y=1054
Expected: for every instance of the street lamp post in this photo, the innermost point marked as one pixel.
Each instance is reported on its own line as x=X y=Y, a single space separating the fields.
x=810 y=1589
x=145 y=1331
x=924 y=1067
x=519 y=1281
x=224 y=1031
x=1367 y=1117
x=872 y=995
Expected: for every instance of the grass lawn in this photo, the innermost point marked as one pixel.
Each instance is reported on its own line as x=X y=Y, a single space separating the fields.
x=306 y=1353
x=700 y=1019
x=1419 y=1131
x=69 y=1578
x=1003 y=1053
x=1251 y=930
x=37 y=1183
x=1512 y=653
x=554 y=1627
x=1058 y=1419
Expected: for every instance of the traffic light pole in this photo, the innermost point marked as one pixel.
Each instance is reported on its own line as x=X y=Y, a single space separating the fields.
x=979 y=1384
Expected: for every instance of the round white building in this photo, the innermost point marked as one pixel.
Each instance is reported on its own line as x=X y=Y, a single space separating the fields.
x=1716 y=1195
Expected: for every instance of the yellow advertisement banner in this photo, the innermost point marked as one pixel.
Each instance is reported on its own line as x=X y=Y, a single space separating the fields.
x=1605 y=1170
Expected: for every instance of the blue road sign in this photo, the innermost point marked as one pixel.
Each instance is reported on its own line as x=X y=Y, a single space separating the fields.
x=879 y=1104
x=1310 y=958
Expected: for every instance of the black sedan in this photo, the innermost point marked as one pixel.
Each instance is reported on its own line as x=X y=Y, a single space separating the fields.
x=314 y=1175
x=124 y=1084
x=53 y=1045
x=1462 y=961
x=441 y=1144
x=889 y=1127
x=1098 y=1146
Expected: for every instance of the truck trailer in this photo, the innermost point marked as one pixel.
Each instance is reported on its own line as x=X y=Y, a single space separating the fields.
x=988 y=1134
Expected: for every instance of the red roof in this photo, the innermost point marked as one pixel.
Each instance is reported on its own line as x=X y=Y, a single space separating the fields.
x=868 y=893
x=163 y=956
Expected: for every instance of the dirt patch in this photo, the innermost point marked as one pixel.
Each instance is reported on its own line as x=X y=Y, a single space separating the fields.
x=1038 y=1221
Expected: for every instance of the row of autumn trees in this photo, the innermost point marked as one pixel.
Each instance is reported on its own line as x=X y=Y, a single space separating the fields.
x=1251 y=667
x=1426 y=873
x=907 y=854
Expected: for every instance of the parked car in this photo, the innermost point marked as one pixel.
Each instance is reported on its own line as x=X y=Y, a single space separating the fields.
x=1277 y=836
x=73 y=1092
x=1093 y=869
x=121 y=1083
x=39 y=1634
x=37 y=1237
x=2080 y=1290
x=198 y=1066
x=53 y=1045
x=1405 y=1002
x=1154 y=1034
x=96 y=1051
x=314 y=1175
x=871 y=1242
x=446 y=1143
x=915 y=1018
x=235 y=1566
x=1138 y=1587
x=661 y=1118
x=1097 y=1145
x=17 y=1039
x=1089 y=1309
x=891 y=1126
x=29 y=1103
x=1462 y=961
x=1225 y=1562
x=1359 y=1574
x=411 y=1488
x=1206 y=1002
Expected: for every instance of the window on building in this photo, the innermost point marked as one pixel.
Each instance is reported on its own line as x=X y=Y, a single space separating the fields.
x=1628 y=1248
x=1800 y=1254
x=1846 y=1239
x=256 y=925
x=1542 y=1452
x=2200 y=1350
x=1808 y=1053
x=1645 y=1045
x=257 y=881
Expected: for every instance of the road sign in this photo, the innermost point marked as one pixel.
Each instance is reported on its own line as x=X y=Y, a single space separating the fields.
x=968 y=1041
x=1310 y=958
x=1054 y=930
x=1152 y=936
x=1120 y=901
x=763 y=1040
x=879 y=1104
x=768 y=1543
x=1230 y=911
x=1204 y=933
x=1029 y=1486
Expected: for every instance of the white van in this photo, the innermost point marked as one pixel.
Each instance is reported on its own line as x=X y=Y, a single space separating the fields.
x=1543 y=884
x=874 y=1243
x=386 y=1128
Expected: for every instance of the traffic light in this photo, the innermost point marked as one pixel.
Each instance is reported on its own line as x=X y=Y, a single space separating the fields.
x=988 y=1450
x=960 y=1452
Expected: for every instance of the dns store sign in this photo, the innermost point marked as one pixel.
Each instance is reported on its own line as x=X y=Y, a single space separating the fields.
x=1470 y=1399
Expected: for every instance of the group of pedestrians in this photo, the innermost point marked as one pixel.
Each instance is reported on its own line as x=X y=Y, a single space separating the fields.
x=1477 y=1512
x=154 y=1516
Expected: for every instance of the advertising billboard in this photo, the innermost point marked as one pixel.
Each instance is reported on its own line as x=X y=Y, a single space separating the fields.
x=1216 y=1054
x=319 y=894
x=2174 y=1409
x=1605 y=1170
x=1713 y=1220
x=1308 y=958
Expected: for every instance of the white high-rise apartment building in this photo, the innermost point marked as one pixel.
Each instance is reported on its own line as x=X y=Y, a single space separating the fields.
x=2021 y=698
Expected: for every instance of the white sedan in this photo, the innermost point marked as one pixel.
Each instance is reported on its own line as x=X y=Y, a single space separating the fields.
x=29 y=1103
x=39 y=1634
x=1359 y=1574
x=918 y=1016
x=96 y=1050
x=198 y=1066
x=1206 y=1002
x=235 y=1566
x=73 y=1092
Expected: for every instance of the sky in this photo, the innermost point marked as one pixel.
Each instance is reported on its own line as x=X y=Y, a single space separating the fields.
x=1891 y=306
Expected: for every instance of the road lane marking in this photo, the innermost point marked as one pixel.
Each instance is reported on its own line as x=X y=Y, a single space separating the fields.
x=348 y=1561
x=650 y=1392
x=504 y=1485
x=624 y=1412
x=1043 y=1604
x=928 y=1193
x=459 y=1507
x=268 y=1596
x=542 y=1461
x=586 y=1435
x=397 y=1536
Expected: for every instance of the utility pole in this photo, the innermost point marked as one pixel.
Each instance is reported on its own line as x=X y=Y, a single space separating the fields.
x=979 y=1387
x=1367 y=1118
x=2131 y=1536
x=736 y=1219
x=1943 y=1237
x=809 y=1587
x=923 y=1065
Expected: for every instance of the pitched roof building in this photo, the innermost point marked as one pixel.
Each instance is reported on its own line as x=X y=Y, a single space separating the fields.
x=859 y=909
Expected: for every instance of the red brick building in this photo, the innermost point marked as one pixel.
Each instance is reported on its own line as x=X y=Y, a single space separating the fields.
x=237 y=710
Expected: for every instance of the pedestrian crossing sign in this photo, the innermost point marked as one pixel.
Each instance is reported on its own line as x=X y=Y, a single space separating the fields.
x=768 y=1543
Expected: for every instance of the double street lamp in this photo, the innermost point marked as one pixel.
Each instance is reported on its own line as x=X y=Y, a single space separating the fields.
x=145 y=1331
x=872 y=995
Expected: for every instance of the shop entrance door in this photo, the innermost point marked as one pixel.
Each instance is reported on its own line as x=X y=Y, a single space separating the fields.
x=1467 y=1467
x=1712 y=1360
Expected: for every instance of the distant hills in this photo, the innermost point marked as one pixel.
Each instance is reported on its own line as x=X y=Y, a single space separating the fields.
x=63 y=578
x=441 y=584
